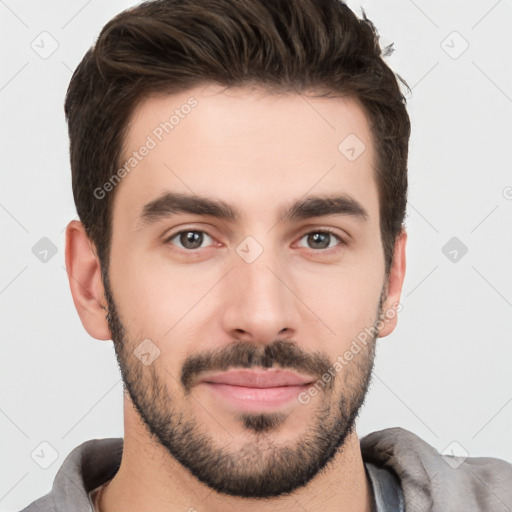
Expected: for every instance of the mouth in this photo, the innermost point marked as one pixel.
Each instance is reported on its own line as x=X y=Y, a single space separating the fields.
x=256 y=390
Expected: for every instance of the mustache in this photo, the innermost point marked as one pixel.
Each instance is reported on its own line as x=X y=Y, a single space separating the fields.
x=240 y=354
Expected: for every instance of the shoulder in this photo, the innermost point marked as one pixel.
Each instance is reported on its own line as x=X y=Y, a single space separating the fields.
x=86 y=467
x=432 y=481
x=44 y=504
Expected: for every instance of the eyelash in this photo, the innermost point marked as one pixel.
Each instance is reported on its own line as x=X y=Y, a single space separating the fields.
x=331 y=232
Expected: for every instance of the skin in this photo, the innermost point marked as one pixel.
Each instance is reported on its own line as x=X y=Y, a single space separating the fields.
x=259 y=152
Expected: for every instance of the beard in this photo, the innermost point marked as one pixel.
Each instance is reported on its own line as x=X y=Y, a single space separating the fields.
x=260 y=468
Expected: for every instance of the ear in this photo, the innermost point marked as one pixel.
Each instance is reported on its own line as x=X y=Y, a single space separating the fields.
x=84 y=274
x=391 y=305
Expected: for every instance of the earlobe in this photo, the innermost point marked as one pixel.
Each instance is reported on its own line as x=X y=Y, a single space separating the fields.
x=391 y=305
x=84 y=274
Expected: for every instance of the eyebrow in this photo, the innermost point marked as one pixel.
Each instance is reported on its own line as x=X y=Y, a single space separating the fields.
x=171 y=203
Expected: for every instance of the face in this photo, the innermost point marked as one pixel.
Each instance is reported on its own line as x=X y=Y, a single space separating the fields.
x=246 y=260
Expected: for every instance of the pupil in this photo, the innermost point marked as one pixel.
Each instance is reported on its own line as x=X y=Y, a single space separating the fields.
x=191 y=239
x=319 y=239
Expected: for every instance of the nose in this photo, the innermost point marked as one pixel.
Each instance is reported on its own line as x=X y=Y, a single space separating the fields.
x=259 y=305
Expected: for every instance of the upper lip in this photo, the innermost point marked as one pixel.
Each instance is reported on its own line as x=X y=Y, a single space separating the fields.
x=258 y=378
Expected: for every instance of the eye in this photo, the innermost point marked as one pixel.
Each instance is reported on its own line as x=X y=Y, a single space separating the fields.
x=321 y=240
x=189 y=239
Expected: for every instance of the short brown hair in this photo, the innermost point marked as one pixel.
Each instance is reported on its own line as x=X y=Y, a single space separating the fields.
x=286 y=45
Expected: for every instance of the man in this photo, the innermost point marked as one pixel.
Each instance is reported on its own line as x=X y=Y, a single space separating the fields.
x=240 y=174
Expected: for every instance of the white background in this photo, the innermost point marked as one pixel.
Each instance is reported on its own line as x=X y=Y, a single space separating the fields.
x=444 y=373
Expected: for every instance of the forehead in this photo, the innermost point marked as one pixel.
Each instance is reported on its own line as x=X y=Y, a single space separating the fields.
x=247 y=144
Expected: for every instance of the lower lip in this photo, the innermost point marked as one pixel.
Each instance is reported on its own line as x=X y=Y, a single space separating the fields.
x=251 y=399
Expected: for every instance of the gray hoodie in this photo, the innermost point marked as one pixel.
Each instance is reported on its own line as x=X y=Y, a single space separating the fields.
x=426 y=480
x=435 y=483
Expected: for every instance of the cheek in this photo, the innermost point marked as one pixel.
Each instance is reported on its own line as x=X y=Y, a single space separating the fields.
x=154 y=295
x=155 y=303
x=344 y=298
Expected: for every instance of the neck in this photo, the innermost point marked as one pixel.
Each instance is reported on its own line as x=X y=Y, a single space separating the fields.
x=149 y=478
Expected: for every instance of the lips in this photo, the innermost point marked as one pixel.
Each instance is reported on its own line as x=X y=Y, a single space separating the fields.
x=256 y=390
x=258 y=378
